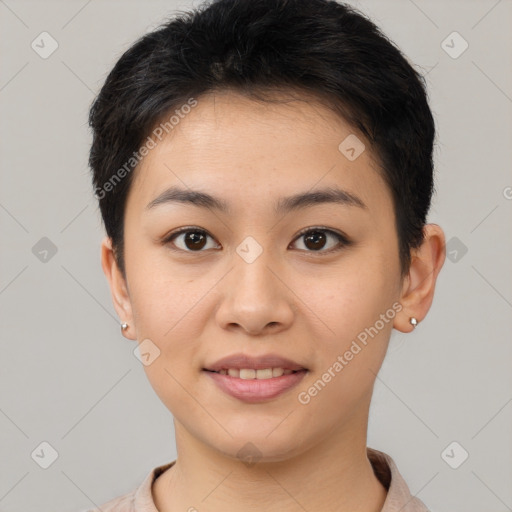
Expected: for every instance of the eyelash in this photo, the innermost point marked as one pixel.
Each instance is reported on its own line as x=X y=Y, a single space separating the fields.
x=343 y=240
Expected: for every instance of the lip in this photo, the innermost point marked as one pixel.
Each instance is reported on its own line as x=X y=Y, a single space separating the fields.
x=256 y=390
x=240 y=361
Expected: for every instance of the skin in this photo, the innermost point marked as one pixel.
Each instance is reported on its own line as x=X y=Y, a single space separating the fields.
x=307 y=305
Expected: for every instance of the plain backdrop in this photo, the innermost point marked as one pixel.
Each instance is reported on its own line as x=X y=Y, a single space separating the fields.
x=69 y=380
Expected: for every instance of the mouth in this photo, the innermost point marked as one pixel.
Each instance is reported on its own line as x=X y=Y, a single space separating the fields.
x=255 y=386
x=245 y=366
x=255 y=374
x=255 y=379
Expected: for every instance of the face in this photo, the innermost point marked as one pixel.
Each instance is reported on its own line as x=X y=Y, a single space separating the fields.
x=303 y=280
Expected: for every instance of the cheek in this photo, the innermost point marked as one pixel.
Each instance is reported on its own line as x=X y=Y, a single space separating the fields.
x=348 y=361
x=161 y=293
x=355 y=309
x=349 y=299
x=168 y=302
x=166 y=313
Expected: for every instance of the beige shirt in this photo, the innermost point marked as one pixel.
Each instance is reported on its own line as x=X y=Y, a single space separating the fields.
x=398 y=497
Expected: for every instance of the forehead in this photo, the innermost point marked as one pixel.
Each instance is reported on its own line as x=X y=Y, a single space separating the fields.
x=245 y=148
x=226 y=119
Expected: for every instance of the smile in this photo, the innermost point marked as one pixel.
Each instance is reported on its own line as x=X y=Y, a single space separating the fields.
x=250 y=388
x=250 y=373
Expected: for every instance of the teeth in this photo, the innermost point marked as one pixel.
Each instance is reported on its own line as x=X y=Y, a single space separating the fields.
x=249 y=373
x=277 y=372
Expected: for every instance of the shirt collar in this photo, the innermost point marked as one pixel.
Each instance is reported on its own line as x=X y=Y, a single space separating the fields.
x=398 y=499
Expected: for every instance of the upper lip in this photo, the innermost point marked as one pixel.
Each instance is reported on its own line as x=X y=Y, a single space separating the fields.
x=241 y=361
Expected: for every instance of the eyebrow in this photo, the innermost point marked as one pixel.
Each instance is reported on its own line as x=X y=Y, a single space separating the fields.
x=283 y=205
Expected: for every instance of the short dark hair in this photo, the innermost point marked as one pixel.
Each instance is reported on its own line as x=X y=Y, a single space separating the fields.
x=324 y=48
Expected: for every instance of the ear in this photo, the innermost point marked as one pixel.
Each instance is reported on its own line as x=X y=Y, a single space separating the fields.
x=118 y=288
x=418 y=286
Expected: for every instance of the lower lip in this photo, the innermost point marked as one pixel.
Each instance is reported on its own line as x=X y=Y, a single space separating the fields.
x=256 y=390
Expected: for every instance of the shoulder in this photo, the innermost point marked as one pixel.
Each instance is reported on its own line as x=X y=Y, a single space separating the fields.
x=399 y=497
x=138 y=500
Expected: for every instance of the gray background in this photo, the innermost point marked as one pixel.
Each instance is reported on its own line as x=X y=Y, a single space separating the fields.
x=69 y=378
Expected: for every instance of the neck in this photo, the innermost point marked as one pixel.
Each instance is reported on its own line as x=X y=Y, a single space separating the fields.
x=333 y=475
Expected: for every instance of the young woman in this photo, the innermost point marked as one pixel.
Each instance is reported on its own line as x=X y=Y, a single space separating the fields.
x=264 y=172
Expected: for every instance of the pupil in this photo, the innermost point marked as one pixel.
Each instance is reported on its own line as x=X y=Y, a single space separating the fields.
x=318 y=238
x=197 y=239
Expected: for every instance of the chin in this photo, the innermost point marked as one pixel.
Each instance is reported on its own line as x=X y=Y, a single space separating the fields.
x=254 y=444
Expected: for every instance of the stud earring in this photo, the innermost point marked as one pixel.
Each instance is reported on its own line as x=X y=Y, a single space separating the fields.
x=413 y=321
x=124 y=326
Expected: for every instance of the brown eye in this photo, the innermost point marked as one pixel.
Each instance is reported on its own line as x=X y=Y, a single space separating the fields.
x=194 y=240
x=316 y=239
x=191 y=240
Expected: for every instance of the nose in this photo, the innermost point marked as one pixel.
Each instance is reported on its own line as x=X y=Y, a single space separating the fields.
x=255 y=298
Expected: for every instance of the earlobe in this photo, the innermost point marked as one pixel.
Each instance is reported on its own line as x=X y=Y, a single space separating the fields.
x=418 y=288
x=118 y=287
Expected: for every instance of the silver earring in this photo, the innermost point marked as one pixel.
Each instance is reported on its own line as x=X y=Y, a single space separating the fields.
x=124 y=326
x=413 y=321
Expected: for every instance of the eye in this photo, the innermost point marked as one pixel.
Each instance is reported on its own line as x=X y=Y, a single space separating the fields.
x=193 y=239
x=315 y=239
